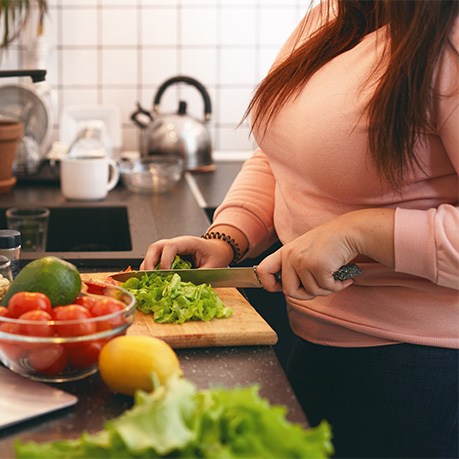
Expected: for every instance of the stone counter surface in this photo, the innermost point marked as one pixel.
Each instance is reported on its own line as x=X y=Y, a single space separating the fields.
x=224 y=367
x=151 y=218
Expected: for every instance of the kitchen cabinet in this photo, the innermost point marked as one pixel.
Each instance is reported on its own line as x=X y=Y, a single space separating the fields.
x=150 y=218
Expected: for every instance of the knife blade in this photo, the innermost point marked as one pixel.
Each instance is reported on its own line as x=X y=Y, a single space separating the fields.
x=246 y=277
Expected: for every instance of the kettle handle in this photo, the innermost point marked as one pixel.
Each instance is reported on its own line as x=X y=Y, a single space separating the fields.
x=188 y=80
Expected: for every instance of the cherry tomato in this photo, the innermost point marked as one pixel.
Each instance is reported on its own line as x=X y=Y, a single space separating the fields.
x=105 y=307
x=49 y=360
x=78 y=315
x=7 y=327
x=22 y=302
x=87 y=301
x=84 y=355
x=11 y=349
x=4 y=312
x=42 y=327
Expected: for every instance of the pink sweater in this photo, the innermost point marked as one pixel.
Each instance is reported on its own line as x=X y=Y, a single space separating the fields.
x=313 y=165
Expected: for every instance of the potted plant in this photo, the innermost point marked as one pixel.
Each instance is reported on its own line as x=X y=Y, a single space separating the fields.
x=15 y=15
x=10 y=133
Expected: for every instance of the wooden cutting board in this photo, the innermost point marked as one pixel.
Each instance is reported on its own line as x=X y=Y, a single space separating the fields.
x=244 y=328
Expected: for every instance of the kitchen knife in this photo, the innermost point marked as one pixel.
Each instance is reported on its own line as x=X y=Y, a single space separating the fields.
x=227 y=277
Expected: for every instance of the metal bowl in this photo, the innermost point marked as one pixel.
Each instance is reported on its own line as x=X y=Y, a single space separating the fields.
x=152 y=174
x=68 y=354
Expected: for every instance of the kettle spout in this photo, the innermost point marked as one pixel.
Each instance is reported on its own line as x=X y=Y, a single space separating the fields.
x=140 y=113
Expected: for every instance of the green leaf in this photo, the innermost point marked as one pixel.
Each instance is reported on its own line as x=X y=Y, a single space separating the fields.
x=172 y=301
x=177 y=421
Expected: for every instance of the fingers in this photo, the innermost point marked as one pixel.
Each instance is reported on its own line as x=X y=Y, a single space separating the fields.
x=306 y=286
x=267 y=270
x=153 y=255
x=301 y=282
x=163 y=252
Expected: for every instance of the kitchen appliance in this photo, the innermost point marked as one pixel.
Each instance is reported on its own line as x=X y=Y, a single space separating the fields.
x=24 y=103
x=228 y=277
x=177 y=133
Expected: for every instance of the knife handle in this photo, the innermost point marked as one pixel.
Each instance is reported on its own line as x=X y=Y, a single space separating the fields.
x=348 y=271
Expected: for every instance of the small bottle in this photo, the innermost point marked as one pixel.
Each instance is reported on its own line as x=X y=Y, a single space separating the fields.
x=10 y=247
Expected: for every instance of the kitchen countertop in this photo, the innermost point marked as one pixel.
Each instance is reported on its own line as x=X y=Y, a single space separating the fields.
x=227 y=367
x=183 y=210
x=211 y=188
x=152 y=218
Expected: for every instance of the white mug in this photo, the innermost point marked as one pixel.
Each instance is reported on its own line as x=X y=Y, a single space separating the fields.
x=88 y=177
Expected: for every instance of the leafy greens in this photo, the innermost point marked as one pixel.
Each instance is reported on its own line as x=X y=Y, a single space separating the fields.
x=178 y=421
x=173 y=301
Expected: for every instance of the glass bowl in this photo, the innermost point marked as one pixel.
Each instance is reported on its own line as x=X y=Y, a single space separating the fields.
x=152 y=174
x=65 y=350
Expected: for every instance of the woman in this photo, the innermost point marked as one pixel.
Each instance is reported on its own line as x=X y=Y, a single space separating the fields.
x=358 y=131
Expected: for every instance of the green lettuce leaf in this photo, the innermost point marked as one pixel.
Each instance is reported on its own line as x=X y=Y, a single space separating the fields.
x=178 y=421
x=172 y=301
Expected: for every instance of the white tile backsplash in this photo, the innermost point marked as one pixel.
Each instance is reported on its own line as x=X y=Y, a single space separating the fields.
x=80 y=67
x=276 y=24
x=159 y=26
x=238 y=66
x=198 y=26
x=200 y=64
x=157 y=65
x=238 y=25
x=79 y=27
x=118 y=67
x=120 y=52
x=126 y=33
x=232 y=104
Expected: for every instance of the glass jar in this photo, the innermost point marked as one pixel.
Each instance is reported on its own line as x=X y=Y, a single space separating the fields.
x=5 y=268
x=10 y=247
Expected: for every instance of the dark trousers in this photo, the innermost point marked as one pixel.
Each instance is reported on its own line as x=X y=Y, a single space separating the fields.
x=397 y=401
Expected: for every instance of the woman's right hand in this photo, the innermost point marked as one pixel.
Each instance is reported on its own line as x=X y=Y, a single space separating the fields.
x=206 y=253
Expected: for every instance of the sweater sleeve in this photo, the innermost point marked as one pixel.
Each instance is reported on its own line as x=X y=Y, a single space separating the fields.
x=427 y=244
x=427 y=241
x=249 y=204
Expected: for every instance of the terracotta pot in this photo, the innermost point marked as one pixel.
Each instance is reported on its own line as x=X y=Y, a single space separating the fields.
x=10 y=134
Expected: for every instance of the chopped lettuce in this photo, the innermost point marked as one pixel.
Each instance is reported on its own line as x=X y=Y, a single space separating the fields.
x=178 y=421
x=172 y=301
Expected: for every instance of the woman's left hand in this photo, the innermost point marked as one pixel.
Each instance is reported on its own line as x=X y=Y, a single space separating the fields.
x=307 y=263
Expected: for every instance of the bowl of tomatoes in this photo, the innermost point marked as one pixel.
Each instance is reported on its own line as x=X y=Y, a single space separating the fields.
x=62 y=343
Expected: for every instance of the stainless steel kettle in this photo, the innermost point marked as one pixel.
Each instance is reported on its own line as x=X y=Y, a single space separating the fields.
x=177 y=133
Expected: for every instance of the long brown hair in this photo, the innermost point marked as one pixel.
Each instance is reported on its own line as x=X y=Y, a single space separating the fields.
x=398 y=112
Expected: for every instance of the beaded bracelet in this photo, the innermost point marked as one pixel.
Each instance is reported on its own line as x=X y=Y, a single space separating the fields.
x=237 y=255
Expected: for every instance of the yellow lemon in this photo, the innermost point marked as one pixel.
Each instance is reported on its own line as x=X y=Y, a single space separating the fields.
x=126 y=363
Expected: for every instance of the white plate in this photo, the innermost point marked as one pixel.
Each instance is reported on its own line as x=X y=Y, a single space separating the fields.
x=74 y=118
x=22 y=399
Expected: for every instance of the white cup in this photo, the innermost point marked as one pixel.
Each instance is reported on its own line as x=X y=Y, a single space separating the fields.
x=88 y=177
